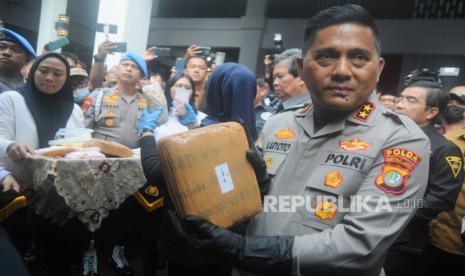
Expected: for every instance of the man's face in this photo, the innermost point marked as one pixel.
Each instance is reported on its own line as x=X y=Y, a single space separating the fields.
x=196 y=68
x=12 y=56
x=285 y=84
x=341 y=67
x=460 y=91
x=388 y=101
x=412 y=103
x=128 y=72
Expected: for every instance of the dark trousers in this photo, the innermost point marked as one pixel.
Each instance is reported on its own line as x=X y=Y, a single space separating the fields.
x=131 y=225
x=402 y=263
x=175 y=269
x=444 y=263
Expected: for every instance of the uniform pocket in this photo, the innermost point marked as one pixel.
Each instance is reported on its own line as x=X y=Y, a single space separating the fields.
x=109 y=118
x=275 y=153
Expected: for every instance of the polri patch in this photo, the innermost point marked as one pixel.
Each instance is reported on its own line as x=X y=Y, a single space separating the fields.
x=398 y=164
x=404 y=158
x=392 y=179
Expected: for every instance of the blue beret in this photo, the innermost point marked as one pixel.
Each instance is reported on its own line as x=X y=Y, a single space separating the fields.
x=18 y=39
x=138 y=59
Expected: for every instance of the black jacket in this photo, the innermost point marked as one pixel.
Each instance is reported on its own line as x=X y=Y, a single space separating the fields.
x=445 y=180
x=171 y=245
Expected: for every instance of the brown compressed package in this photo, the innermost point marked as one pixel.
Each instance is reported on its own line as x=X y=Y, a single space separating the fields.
x=208 y=175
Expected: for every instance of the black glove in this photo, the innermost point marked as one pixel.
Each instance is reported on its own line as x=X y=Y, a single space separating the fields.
x=266 y=254
x=258 y=164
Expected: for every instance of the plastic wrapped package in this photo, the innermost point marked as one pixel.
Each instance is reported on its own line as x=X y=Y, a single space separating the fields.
x=208 y=175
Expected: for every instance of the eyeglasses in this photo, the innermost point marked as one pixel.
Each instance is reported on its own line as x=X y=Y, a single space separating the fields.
x=409 y=100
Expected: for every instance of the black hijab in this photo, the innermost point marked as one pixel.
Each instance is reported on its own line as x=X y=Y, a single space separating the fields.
x=50 y=112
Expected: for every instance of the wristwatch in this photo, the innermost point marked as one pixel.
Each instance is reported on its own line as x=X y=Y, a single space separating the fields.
x=144 y=130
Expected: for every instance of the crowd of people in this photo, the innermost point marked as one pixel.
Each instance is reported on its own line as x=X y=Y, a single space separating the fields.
x=319 y=130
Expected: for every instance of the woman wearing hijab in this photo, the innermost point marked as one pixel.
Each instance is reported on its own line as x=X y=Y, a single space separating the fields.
x=30 y=119
x=230 y=94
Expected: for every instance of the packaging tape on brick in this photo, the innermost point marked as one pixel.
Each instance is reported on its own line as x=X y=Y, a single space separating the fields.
x=208 y=174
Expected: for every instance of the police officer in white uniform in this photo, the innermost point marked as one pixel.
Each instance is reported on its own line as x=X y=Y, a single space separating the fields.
x=114 y=113
x=344 y=150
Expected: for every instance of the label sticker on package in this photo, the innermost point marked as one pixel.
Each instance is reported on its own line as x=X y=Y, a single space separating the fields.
x=224 y=178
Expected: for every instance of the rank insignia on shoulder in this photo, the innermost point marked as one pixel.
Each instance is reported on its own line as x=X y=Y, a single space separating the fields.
x=455 y=164
x=285 y=133
x=333 y=179
x=325 y=210
x=364 y=112
x=354 y=144
x=392 y=179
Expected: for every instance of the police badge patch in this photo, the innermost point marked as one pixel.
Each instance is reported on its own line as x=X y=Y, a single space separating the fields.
x=399 y=163
x=455 y=164
x=392 y=180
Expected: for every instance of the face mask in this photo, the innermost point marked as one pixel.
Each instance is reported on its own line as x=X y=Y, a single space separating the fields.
x=453 y=113
x=80 y=94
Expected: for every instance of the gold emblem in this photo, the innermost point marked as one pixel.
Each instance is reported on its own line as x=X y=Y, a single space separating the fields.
x=364 y=112
x=455 y=164
x=333 y=179
x=354 y=144
x=269 y=161
x=152 y=190
x=285 y=133
x=110 y=122
x=325 y=210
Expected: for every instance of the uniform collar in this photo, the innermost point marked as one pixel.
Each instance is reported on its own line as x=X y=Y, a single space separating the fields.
x=301 y=99
x=364 y=115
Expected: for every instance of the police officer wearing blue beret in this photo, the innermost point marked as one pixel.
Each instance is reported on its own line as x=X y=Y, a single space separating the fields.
x=15 y=52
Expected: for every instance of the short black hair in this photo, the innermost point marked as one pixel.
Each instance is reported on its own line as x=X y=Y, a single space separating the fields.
x=261 y=82
x=435 y=97
x=171 y=82
x=200 y=57
x=338 y=15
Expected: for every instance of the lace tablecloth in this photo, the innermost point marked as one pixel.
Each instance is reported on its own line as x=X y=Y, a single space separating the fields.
x=59 y=189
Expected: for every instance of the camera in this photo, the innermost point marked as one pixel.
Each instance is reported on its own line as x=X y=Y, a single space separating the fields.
x=162 y=52
x=120 y=47
x=278 y=41
x=424 y=74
